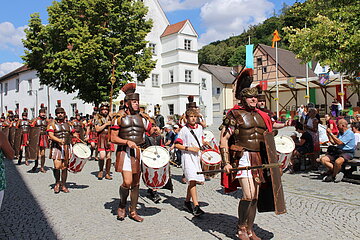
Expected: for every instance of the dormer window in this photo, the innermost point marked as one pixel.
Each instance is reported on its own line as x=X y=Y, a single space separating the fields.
x=187 y=44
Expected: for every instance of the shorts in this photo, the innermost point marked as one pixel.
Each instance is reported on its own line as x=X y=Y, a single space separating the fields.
x=346 y=155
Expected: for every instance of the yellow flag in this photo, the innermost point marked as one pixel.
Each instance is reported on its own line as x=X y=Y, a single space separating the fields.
x=276 y=38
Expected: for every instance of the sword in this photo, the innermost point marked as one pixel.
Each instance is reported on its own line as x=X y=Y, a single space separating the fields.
x=270 y=165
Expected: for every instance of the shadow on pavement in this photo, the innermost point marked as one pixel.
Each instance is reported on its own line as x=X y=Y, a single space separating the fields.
x=236 y=194
x=21 y=216
x=71 y=185
x=224 y=224
x=142 y=210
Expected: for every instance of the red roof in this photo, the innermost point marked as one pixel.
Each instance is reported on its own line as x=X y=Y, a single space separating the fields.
x=23 y=68
x=173 y=28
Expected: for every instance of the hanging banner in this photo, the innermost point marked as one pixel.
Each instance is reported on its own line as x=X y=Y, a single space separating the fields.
x=264 y=85
x=324 y=78
x=250 y=56
x=291 y=82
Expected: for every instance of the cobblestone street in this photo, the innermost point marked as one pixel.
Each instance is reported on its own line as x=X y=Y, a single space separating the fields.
x=31 y=210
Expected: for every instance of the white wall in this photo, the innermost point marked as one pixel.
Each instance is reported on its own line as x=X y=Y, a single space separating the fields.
x=25 y=100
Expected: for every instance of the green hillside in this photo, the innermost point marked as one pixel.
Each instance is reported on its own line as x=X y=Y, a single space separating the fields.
x=231 y=52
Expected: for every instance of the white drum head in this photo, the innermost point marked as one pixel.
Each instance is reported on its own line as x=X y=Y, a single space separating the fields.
x=81 y=150
x=208 y=135
x=284 y=144
x=155 y=157
x=211 y=157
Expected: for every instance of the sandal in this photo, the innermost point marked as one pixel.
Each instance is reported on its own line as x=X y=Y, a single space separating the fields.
x=134 y=216
x=57 y=188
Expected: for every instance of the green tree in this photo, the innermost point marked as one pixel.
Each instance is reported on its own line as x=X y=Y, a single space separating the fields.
x=84 y=40
x=239 y=57
x=332 y=34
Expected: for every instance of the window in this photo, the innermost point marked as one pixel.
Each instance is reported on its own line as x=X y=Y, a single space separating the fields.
x=171 y=109
x=153 y=46
x=264 y=69
x=17 y=85
x=187 y=44
x=30 y=87
x=216 y=107
x=259 y=61
x=155 y=80
x=188 y=75
x=171 y=76
x=6 y=89
x=218 y=91
x=203 y=83
x=73 y=108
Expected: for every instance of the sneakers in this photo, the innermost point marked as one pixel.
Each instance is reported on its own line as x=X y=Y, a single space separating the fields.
x=188 y=207
x=197 y=211
x=329 y=178
x=339 y=177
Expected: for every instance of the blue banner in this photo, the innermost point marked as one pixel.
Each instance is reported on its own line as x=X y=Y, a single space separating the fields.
x=250 y=56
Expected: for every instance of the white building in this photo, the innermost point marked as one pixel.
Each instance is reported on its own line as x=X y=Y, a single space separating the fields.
x=175 y=77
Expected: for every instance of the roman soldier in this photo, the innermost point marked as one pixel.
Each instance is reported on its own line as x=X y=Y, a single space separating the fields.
x=24 y=125
x=91 y=134
x=243 y=142
x=105 y=147
x=12 y=127
x=60 y=132
x=39 y=136
x=78 y=127
x=128 y=130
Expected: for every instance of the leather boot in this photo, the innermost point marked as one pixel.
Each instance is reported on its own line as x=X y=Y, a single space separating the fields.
x=42 y=164
x=107 y=169
x=250 y=220
x=57 y=180
x=63 y=181
x=243 y=212
x=20 y=157
x=121 y=212
x=101 y=169
x=134 y=196
x=35 y=166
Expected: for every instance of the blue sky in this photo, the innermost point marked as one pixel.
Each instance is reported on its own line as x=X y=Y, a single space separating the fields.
x=212 y=19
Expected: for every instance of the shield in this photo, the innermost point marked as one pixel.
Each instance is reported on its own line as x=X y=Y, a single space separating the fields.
x=271 y=195
x=12 y=136
x=6 y=131
x=34 y=138
x=17 y=141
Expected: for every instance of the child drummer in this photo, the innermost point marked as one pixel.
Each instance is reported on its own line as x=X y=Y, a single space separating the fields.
x=190 y=141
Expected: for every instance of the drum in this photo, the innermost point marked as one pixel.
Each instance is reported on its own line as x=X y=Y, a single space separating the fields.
x=155 y=165
x=284 y=148
x=210 y=138
x=210 y=160
x=81 y=154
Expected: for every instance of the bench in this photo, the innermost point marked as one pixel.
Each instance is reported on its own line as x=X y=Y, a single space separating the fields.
x=307 y=160
x=352 y=167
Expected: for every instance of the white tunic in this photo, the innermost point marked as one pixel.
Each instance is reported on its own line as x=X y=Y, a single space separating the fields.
x=191 y=161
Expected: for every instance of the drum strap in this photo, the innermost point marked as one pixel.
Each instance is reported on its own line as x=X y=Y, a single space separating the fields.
x=197 y=140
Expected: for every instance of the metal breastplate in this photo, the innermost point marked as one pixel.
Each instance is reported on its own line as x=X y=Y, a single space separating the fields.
x=249 y=129
x=102 y=121
x=42 y=124
x=62 y=131
x=132 y=128
x=25 y=126
x=77 y=125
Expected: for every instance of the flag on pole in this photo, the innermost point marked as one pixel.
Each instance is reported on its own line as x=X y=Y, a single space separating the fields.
x=276 y=38
x=250 y=56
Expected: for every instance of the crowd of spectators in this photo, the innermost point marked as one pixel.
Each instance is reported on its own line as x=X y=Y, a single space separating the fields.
x=335 y=134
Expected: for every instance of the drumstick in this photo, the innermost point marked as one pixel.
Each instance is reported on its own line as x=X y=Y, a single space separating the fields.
x=80 y=140
x=270 y=165
x=205 y=153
